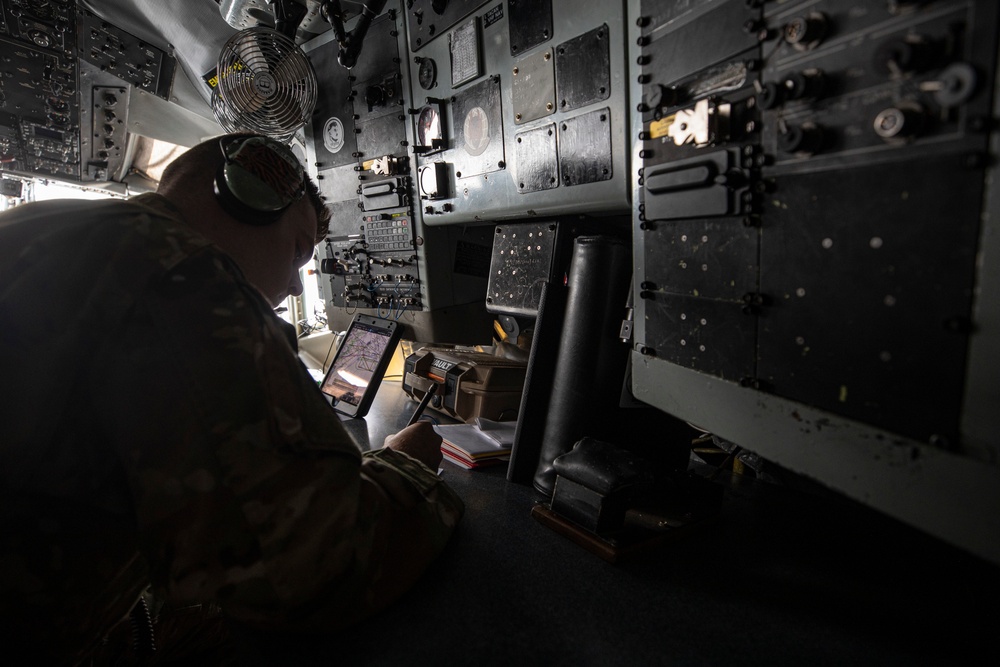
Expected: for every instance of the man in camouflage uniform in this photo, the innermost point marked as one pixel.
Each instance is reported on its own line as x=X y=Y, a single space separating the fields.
x=158 y=428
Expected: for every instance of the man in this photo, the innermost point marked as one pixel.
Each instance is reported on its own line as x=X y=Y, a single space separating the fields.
x=158 y=427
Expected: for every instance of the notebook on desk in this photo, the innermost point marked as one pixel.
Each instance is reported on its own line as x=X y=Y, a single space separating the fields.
x=476 y=445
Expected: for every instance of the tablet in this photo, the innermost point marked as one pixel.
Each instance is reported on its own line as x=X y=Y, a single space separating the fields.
x=360 y=363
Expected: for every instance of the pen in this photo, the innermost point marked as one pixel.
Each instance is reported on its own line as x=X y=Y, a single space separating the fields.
x=423 y=404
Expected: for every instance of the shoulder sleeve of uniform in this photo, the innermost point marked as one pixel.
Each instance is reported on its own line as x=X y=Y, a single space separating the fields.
x=415 y=474
x=247 y=490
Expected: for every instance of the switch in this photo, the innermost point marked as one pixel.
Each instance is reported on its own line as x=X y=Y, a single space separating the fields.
x=806 y=32
x=899 y=123
x=805 y=139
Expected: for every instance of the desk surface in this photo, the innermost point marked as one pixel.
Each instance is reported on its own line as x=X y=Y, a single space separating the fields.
x=784 y=578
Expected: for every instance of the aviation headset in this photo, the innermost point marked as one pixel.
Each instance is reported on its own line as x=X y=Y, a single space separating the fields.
x=259 y=178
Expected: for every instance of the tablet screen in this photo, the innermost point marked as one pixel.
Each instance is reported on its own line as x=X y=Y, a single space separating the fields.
x=357 y=369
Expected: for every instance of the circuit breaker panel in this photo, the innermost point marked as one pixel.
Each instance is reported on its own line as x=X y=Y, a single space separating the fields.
x=809 y=196
x=39 y=112
x=67 y=76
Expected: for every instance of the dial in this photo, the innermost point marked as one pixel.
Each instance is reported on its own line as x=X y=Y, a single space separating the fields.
x=427 y=73
x=429 y=127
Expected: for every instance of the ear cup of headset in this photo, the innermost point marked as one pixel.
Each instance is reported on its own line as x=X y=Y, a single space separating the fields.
x=251 y=189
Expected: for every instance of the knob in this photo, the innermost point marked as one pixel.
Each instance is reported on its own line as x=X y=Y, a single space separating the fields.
x=897 y=123
x=955 y=85
x=657 y=95
x=807 y=84
x=805 y=139
x=806 y=31
x=770 y=95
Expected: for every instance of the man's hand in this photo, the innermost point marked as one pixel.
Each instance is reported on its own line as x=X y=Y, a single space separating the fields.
x=420 y=441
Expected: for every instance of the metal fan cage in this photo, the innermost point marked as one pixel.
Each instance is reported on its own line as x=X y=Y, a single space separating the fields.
x=266 y=84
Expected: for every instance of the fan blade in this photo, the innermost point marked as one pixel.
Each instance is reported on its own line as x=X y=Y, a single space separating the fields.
x=269 y=84
x=292 y=67
x=240 y=93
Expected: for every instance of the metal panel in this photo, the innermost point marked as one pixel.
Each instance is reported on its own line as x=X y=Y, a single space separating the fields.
x=429 y=19
x=696 y=36
x=715 y=337
x=496 y=195
x=711 y=258
x=333 y=117
x=530 y=24
x=583 y=74
x=865 y=154
x=522 y=262
x=537 y=163
x=870 y=311
x=381 y=136
x=533 y=87
x=479 y=135
x=585 y=148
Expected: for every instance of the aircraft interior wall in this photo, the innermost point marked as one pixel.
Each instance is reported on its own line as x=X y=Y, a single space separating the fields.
x=807 y=188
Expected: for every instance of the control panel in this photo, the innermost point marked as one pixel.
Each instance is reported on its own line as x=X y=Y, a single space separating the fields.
x=125 y=56
x=39 y=110
x=380 y=257
x=813 y=217
x=520 y=109
x=458 y=115
x=798 y=162
x=66 y=76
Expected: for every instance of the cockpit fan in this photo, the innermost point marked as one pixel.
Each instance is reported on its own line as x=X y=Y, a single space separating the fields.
x=266 y=84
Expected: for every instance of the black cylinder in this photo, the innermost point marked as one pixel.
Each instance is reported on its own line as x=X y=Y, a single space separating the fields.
x=591 y=363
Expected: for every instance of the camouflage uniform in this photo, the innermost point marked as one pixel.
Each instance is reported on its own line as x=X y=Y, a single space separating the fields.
x=158 y=428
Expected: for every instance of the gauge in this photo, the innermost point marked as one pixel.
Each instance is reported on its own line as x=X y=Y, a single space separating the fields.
x=427 y=73
x=429 y=131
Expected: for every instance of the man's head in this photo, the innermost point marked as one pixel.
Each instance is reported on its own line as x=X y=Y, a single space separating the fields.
x=216 y=185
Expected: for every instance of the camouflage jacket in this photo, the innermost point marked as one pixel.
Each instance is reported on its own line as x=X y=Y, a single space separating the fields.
x=158 y=427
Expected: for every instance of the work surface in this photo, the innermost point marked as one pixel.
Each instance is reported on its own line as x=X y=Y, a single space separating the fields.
x=783 y=578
